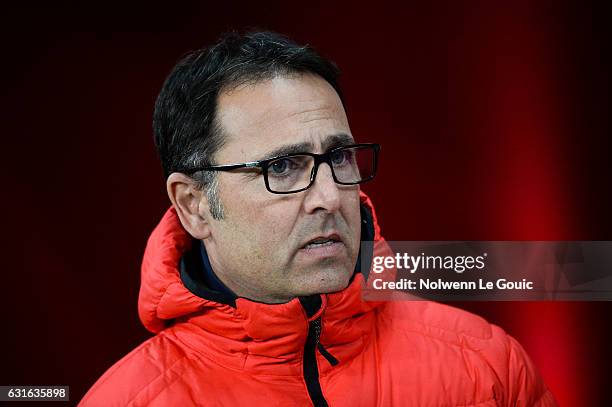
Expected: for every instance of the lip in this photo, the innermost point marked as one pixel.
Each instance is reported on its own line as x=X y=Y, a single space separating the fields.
x=330 y=236
x=326 y=250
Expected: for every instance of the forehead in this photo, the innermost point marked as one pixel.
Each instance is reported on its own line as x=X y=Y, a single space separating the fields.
x=261 y=117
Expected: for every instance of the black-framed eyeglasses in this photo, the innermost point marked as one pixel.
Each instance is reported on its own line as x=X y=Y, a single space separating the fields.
x=287 y=174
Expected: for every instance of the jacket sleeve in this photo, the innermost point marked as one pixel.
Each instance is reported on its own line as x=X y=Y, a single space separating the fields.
x=525 y=386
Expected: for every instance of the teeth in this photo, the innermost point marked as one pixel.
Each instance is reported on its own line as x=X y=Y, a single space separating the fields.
x=320 y=242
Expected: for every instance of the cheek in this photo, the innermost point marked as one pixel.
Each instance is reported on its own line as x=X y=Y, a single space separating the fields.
x=352 y=209
x=353 y=218
x=262 y=225
x=276 y=227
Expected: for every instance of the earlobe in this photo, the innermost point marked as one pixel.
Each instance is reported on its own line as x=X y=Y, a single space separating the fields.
x=190 y=204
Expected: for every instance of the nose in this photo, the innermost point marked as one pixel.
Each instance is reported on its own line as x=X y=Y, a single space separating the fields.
x=324 y=193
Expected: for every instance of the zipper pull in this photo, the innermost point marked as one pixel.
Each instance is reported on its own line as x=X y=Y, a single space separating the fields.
x=317 y=328
x=330 y=358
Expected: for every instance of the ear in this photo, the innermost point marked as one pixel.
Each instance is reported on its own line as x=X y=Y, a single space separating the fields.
x=190 y=203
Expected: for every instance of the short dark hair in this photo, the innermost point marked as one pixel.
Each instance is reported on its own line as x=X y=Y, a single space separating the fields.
x=186 y=131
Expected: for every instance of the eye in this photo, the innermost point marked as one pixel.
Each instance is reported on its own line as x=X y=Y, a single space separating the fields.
x=339 y=157
x=281 y=166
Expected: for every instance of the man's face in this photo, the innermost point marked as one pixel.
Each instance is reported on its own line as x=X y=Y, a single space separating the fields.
x=263 y=248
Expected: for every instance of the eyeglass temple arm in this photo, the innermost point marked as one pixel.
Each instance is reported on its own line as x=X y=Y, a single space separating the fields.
x=229 y=167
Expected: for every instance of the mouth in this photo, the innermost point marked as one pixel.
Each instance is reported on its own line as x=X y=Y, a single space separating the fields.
x=322 y=241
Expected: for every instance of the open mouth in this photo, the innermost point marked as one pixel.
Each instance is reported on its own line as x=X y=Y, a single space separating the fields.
x=322 y=242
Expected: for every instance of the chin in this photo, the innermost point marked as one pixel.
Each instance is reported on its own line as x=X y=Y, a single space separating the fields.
x=328 y=283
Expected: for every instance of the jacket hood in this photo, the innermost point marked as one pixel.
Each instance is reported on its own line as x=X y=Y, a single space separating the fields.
x=163 y=297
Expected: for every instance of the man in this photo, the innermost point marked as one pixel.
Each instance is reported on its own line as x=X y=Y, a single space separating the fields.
x=251 y=281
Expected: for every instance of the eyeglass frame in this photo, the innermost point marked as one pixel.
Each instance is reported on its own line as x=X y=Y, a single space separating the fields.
x=318 y=160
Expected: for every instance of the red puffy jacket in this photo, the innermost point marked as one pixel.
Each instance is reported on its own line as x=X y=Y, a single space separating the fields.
x=348 y=353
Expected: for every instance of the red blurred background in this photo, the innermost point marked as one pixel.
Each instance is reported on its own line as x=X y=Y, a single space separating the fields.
x=494 y=119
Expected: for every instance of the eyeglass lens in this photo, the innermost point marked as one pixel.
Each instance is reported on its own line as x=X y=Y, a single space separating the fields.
x=350 y=165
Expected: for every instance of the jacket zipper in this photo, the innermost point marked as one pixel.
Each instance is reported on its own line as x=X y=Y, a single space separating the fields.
x=311 y=369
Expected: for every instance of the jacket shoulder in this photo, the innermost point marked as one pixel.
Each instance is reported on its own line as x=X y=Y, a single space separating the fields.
x=141 y=375
x=437 y=320
x=487 y=344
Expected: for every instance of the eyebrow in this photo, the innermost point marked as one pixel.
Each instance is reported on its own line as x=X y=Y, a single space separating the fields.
x=333 y=141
